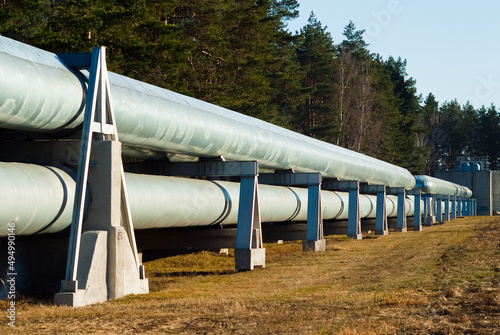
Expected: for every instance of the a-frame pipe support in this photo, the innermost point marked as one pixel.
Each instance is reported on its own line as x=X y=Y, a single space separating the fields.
x=103 y=263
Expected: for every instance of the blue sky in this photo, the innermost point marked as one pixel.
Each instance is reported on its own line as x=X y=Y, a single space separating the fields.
x=452 y=47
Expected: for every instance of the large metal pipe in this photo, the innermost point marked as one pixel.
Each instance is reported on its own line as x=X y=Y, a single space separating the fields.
x=39 y=199
x=38 y=93
x=431 y=185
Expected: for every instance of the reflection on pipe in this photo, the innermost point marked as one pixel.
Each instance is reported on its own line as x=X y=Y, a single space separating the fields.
x=38 y=93
x=40 y=199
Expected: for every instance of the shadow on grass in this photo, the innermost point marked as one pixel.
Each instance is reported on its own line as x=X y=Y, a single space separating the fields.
x=192 y=273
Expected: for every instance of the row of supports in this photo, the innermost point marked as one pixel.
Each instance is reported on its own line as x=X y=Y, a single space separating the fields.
x=453 y=207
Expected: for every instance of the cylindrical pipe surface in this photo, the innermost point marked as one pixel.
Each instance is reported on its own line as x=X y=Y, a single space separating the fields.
x=154 y=119
x=40 y=200
x=433 y=185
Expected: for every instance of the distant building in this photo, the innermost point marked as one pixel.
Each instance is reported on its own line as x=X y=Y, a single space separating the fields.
x=474 y=173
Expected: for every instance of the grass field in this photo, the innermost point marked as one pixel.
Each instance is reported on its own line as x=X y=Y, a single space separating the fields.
x=443 y=280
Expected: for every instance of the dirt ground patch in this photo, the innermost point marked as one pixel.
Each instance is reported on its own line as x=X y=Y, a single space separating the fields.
x=443 y=280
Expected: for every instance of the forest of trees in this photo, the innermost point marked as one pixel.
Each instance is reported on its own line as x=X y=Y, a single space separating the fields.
x=239 y=54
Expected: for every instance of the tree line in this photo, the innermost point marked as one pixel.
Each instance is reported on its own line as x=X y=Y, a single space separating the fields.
x=240 y=55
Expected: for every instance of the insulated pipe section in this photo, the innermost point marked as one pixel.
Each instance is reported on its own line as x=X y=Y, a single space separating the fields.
x=433 y=185
x=38 y=93
x=40 y=199
x=36 y=198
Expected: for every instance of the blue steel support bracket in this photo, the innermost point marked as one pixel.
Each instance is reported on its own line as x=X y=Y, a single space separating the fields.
x=417 y=217
x=400 y=192
x=428 y=209
x=248 y=214
x=249 y=250
x=459 y=206
x=446 y=199
x=439 y=207
x=314 y=215
x=214 y=168
x=381 y=226
x=453 y=207
x=354 y=219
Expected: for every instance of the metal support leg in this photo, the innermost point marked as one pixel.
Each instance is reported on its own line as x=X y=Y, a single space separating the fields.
x=401 y=215
x=459 y=206
x=453 y=207
x=428 y=209
x=381 y=226
x=417 y=216
x=314 y=239
x=446 y=208
x=249 y=250
x=354 y=220
x=439 y=208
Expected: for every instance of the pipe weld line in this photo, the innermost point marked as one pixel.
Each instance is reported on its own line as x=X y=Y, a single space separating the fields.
x=297 y=208
x=228 y=205
x=64 y=202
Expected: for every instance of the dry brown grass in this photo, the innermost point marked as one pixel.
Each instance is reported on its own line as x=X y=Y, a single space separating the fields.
x=444 y=280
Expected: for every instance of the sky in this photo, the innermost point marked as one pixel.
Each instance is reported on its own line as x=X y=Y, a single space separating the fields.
x=452 y=48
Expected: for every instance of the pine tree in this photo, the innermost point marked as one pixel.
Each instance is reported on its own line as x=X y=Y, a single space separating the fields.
x=430 y=135
x=24 y=20
x=408 y=153
x=238 y=51
x=315 y=54
x=490 y=135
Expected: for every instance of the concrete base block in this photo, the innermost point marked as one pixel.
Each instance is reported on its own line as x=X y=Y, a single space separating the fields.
x=91 y=274
x=401 y=230
x=429 y=220
x=314 y=246
x=71 y=299
x=417 y=228
x=123 y=274
x=247 y=259
x=381 y=232
x=355 y=236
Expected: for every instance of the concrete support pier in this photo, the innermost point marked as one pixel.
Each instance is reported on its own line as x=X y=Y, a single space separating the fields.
x=106 y=267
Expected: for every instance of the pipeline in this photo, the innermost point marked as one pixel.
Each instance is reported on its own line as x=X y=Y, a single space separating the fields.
x=39 y=199
x=38 y=93
x=431 y=185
